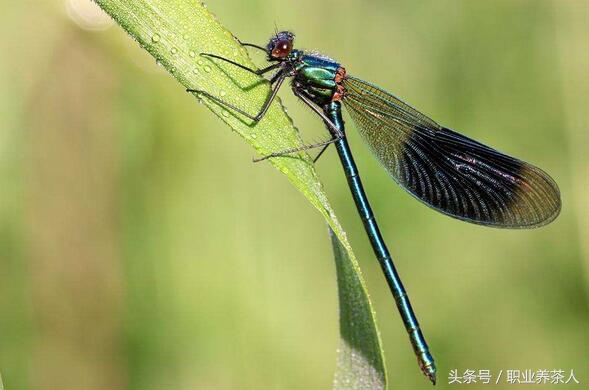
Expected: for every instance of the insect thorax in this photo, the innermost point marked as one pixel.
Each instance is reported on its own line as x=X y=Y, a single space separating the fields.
x=317 y=77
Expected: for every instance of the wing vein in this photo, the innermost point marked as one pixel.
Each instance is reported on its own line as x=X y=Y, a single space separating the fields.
x=450 y=172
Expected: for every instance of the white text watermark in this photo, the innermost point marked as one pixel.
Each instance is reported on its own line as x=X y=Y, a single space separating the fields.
x=538 y=377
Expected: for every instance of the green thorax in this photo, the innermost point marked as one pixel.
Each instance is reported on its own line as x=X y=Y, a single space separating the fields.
x=315 y=76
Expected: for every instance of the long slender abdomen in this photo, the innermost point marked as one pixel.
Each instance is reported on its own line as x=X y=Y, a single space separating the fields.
x=420 y=347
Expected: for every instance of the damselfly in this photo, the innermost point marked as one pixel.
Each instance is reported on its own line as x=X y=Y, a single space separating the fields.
x=447 y=171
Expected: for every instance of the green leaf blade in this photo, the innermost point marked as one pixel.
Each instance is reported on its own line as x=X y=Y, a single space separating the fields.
x=360 y=362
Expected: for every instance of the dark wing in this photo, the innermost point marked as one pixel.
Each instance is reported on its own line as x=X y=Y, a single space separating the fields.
x=446 y=170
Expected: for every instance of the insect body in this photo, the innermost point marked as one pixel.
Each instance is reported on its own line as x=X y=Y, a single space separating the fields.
x=447 y=171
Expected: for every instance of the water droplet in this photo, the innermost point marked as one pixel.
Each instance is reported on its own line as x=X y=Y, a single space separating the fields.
x=155 y=38
x=222 y=93
x=173 y=70
x=225 y=114
x=173 y=50
x=192 y=54
x=195 y=71
x=200 y=62
x=207 y=68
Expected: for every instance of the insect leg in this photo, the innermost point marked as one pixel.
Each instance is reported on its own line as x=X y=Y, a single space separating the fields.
x=278 y=78
x=334 y=131
x=258 y=72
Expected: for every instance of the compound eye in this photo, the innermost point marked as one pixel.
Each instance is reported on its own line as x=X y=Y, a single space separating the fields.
x=282 y=48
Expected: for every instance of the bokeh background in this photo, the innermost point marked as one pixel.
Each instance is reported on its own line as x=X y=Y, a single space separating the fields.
x=140 y=248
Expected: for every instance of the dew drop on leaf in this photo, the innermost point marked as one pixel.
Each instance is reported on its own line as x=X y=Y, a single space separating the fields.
x=155 y=38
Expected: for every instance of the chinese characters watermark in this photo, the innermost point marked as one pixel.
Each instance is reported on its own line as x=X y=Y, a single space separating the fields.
x=554 y=377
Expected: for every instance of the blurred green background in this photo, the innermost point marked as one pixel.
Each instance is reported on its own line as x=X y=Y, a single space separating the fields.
x=140 y=248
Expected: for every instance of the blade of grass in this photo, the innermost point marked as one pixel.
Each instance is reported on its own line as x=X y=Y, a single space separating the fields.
x=175 y=32
x=360 y=363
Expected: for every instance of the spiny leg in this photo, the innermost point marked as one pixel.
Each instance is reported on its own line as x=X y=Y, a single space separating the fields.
x=251 y=45
x=323 y=149
x=286 y=152
x=258 y=72
x=278 y=78
x=335 y=132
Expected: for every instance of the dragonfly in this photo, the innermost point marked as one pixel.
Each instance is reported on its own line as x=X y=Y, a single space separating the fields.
x=449 y=172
